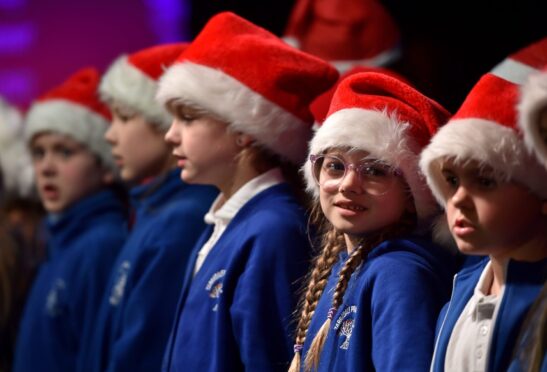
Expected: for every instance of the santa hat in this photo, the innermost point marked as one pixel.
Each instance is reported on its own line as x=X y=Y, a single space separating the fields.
x=320 y=106
x=15 y=162
x=132 y=80
x=389 y=119
x=533 y=103
x=344 y=32
x=485 y=127
x=251 y=79
x=74 y=109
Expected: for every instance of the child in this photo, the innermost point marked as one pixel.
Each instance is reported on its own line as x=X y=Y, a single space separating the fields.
x=86 y=222
x=240 y=96
x=531 y=346
x=345 y=33
x=378 y=284
x=494 y=193
x=138 y=309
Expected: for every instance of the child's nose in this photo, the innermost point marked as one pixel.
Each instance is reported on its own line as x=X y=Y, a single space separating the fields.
x=47 y=165
x=351 y=182
x=172 y=136
x=461 y=198
x=110 y=135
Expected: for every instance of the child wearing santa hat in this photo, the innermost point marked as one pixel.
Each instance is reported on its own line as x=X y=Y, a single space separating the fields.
x=494 y=193
x=86 y=222
x=379 y=281
x=531 y=348
x=241 y=99
x=138 y=308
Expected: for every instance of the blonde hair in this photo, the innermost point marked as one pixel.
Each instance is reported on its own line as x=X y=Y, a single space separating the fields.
x=333 y=243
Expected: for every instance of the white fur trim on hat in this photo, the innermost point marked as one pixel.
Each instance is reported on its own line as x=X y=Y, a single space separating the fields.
x=71 y=119
x=15 y=162
x=126 y=84
x=533 y=101
x=244 y=109
x=489 y=144
x=385 y=58
x=385 y=138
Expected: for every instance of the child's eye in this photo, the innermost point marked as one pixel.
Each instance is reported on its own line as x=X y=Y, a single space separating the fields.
x=333 y=166
x=373 y=170
x=65 y=152
x=486 y=182
x=37 y=153
x=451 y=179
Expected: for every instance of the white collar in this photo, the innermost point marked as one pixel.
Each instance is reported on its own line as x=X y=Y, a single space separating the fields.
x=228 y=210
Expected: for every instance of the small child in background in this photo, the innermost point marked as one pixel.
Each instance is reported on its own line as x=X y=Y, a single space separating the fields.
x=241 y=99
x=138 y=308
x=86 y=222
x=531 y=347
x=376 y=288
x=495 y=196
x=21 y=228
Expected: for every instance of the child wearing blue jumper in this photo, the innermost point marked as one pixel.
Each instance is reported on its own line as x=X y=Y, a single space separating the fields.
x=378 y=284
x=494 y=193
x=86 y=223
x=139 y=306
x=240 y=98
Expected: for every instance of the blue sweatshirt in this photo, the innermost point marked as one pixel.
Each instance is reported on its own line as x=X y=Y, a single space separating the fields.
x=66 y=294
x=138 y=309
x=237 y=312
x=387 y=319
x=523 y=282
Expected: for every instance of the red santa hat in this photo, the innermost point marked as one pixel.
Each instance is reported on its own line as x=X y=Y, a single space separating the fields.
x=251 y=79
x=320 y=106
x=533 y=105
x=344 y=32
x=132 y=80
x=485 y=127
x=74 y=109
x=386 y=117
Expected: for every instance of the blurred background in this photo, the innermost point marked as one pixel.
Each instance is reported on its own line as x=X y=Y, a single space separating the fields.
x=446 y=45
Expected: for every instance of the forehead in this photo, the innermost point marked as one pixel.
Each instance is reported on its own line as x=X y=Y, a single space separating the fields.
x=53 y=139
x=347 y=153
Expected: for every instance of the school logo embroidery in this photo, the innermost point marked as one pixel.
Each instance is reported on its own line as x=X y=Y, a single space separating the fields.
x=344 y=325
x=117 y=291
x=214 y=286
x=53 y=302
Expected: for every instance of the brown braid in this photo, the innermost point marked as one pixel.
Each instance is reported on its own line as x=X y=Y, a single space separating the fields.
x=333 y=243
x=406 y=224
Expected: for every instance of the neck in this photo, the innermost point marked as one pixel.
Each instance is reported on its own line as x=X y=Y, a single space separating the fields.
x=498 y=268
x=241 y=176
x=352 y=242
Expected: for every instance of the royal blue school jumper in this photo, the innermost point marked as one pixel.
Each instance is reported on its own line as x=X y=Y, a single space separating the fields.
x=236 y=314
x=387 y=319
x=84 y=242
x=138 y=308
x=523 y=282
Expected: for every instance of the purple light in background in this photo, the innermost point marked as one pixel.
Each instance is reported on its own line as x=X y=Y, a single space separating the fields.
x=16 y=38
x=18 y=84
x=12 y=4
x=169 y=19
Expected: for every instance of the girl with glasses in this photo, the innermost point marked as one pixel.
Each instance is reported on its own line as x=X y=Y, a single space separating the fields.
x=379 y=282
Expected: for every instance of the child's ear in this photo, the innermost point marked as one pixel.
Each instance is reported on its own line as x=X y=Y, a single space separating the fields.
x=244 y=140
x=108 y=177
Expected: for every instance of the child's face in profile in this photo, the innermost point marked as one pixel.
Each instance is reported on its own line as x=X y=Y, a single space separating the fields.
x=65 y=170
x=487 y=216
x=138 y=147
x=204 y=147
x=359 y=195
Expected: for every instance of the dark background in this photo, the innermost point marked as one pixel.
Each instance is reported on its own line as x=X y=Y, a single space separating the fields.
x=447 y=45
